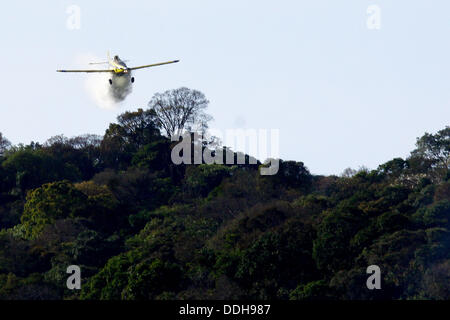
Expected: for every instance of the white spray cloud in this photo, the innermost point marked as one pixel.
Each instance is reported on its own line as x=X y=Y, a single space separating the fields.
x=97 y=85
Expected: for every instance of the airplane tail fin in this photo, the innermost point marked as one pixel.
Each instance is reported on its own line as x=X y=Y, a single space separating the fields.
x=105 y=62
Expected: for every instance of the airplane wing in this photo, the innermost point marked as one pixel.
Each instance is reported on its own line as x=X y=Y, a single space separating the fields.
x=154 y=65
x=84 y=70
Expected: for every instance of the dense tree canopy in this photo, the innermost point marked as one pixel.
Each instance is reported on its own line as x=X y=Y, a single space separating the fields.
x=141 y=227
x=4 y=144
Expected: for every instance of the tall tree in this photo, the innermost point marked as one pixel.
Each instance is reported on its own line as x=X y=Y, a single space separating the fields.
x=4 y=144
x=139 y=127
x=121 y=140
x=435 y=148
x=180 y=109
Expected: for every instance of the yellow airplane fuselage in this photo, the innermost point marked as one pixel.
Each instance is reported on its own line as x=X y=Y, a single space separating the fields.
x=120 y=70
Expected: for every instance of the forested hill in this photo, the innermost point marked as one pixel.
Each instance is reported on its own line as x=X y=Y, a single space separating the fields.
x=141 y=227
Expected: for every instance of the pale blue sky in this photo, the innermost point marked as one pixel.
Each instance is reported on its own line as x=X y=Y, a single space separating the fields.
x=342 y=95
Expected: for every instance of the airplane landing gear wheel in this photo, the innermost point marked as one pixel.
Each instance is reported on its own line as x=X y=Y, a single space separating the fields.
x=110 y=82
x=132 y=79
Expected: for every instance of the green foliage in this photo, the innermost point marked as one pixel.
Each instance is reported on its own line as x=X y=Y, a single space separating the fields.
x=200 y=180
x=437 y=214
x=30 y=288
x=27 y=169
x=143 y=228
x=331 y=247
x=148 y=279
x=52 y=201
x=316 y=290
x=122 y=140
x=4 y=144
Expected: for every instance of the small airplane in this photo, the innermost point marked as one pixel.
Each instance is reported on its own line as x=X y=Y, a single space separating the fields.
x=118 y=68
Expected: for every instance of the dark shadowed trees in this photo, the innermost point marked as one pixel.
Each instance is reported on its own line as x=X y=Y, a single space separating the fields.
x=434 y=149
x=141 y=227
x=122 y=139
x=4 y=144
